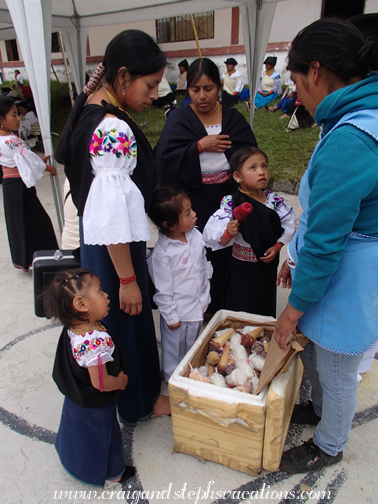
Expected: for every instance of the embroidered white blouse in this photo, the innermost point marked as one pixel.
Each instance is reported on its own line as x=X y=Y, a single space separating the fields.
x=114 y=211
x=213 y=162
x=217 y=223
x=181 y=273
x=15 y=152
x=88 y=346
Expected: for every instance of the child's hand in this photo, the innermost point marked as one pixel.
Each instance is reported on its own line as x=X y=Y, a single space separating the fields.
x=233 y=227
x=175 y=326
x=123 y=380
x=269 y=255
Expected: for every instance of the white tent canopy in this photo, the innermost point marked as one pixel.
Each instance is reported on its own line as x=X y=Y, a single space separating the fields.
x=33 y=21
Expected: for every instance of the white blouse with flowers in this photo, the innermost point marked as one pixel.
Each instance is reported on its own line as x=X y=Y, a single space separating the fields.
x=87 y=347
x=15 y=153
x=114 y=211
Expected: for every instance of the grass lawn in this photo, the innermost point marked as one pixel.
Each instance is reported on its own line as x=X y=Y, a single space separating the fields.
x=288 y=153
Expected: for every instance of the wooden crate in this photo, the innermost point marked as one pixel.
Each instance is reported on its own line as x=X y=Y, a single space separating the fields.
x=239 y=430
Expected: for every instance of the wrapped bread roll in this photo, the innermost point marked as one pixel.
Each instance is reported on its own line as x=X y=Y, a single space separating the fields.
x=254 y=384
x=239 y=352
x=246 y=387
x=204 y=370
x=235 y=339
x=218 y=379
x=237 y=377
x=244 y=364
x=257 y=361
x=196 y=375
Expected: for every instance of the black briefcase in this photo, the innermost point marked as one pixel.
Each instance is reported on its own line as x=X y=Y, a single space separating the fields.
x=46 y=263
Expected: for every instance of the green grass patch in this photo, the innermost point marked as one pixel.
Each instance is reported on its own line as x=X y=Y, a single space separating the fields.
x=288 y=153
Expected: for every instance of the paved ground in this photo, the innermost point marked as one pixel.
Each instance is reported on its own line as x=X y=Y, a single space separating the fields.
x=30 y=407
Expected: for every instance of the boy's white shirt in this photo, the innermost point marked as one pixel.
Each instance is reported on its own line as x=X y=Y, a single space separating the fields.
x=181 y=273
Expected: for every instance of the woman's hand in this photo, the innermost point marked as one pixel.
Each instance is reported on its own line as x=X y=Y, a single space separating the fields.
x=130 y=298
x=284 y=276
x=215 y=143
x=285 y=325
x=269 y=255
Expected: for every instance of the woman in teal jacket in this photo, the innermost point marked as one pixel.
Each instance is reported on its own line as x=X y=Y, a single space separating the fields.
x=332 y=265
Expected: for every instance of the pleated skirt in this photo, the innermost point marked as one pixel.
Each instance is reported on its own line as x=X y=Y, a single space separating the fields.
x=89 y=443
x=29 y=227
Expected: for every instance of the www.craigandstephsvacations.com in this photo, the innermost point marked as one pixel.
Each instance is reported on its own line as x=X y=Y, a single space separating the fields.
x=196 y=496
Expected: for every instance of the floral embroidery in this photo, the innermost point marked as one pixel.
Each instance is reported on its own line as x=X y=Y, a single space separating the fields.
x=118 y=143
x=226 y=204
x=87 y=345
x=277 y=201
x=14 y=143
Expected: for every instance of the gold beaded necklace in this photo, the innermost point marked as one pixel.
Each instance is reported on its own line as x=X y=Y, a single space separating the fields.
x=115 y=103
x=79 y=332
x=255 y=194
x=207 y=120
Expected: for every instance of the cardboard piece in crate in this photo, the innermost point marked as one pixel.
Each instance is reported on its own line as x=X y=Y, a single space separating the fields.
x=242 y=431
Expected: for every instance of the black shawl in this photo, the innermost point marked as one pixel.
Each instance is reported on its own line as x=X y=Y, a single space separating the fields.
x=73 y=380
x=177 y=158
x=80 y=174
x=262 y=227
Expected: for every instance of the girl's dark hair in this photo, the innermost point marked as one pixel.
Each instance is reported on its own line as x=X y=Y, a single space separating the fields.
x=5 y=105
x=58 y=297
x=337 y=45
x=239 y=157
x=201 y=67
x=132 y=49
x=167 y=207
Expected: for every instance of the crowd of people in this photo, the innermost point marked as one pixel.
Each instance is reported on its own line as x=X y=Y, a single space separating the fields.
x=206 y=164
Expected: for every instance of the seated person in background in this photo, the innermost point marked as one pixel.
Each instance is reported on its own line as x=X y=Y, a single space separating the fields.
x=29 y=129
x=284 y=104
x=270 y=84
x=165 y=95
x=181 y=79
x=232 y=83
x=18 y=83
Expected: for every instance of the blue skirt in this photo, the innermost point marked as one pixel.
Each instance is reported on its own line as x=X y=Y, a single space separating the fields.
x=135 y=334
x=261 y=100
x=89 y=443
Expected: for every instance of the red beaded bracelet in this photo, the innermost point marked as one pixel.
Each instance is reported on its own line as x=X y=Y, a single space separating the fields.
x=125 y=281
x=278 y=245
x=200 y=148
x=227 y=235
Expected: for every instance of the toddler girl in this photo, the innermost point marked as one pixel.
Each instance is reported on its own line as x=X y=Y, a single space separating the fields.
x=250 y=283
x=89 y=371
x=180 y=273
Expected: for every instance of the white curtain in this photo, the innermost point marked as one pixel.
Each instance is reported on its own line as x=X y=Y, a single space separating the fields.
x=75 y=42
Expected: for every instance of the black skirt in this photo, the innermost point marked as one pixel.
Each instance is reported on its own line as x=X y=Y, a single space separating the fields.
x=28 y=225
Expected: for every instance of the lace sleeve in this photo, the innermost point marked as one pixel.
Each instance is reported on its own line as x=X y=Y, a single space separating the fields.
x=114 y=211
x=30 y=166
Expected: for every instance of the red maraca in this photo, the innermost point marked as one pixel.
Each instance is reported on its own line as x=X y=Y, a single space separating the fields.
x=241 y=211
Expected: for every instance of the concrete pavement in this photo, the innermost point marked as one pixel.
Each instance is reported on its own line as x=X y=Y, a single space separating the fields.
x=30 y=407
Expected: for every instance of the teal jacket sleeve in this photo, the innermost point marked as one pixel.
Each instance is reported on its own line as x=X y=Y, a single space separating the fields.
x=344 y=173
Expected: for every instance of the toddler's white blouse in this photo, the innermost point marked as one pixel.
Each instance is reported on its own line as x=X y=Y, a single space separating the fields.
x=15 y=152
x=88 y=346
x=217 y=223
x=114 y=211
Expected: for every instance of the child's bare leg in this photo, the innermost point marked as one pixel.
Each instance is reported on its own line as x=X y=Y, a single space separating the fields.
x=162 y=406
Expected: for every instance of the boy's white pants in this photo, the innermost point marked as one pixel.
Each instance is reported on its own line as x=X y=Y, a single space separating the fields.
x=176 y=343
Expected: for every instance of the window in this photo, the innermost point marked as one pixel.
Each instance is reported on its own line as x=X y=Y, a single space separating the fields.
x=12 y=50
x=344 y=9
x=179 y=28
x=55 y=45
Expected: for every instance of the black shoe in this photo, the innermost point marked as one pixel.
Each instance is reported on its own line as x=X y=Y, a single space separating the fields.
x=128 y=473
x=307 y=457
x=305 y=414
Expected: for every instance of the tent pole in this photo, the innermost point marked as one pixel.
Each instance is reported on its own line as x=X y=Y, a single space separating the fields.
x=66 y=67
x=195 y=35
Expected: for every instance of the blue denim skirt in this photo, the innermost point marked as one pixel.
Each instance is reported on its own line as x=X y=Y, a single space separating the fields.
x=89 y=443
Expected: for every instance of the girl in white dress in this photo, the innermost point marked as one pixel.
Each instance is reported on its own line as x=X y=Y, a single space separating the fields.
x=28 y=225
